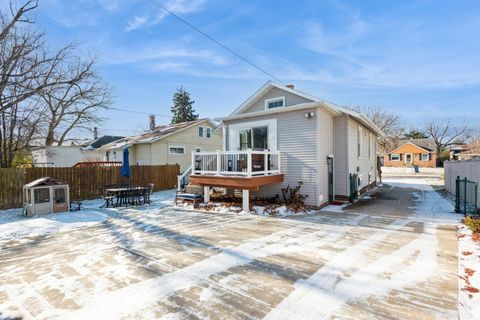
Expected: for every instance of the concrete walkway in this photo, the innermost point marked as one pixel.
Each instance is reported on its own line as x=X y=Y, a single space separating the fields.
x=389 y=257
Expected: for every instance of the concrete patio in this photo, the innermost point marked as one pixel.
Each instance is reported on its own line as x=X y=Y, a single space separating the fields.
x=390 y=256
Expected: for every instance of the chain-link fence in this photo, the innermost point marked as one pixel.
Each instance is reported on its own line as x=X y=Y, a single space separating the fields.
x=466 y=193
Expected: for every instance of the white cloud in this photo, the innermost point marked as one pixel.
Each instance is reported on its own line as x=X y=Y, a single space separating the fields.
x=175 y=6
x=136 y=22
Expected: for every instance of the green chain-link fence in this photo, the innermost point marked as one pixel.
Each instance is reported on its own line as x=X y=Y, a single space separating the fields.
x=353 y=186
x=466 y=193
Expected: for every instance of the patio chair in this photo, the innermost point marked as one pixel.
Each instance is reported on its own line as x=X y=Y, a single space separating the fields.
x=190 y=193
x=148 y=193
x=106 y=197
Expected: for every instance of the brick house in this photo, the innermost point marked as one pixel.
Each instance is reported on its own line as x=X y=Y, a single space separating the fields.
x=409 y=154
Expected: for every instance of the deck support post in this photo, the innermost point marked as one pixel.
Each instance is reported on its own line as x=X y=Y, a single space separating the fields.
x=246 y=200
x=206 y=194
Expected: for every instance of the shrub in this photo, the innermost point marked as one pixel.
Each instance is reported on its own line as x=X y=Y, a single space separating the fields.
x=472 y=223
x=292 y=197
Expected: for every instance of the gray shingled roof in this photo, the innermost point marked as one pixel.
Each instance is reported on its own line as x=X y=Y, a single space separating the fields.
x=154 y=135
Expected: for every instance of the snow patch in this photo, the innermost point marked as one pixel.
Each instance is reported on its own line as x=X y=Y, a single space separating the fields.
x=469 y=274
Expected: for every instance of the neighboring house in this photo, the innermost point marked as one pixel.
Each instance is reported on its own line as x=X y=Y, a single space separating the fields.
x=410 y=154
x=281 y=136
x=68 y=156
x=466 y=152
x=167 y=144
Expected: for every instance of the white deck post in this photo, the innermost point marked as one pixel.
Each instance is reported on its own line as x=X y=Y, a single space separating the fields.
x=219 y=162
x=265 y=162
x=206 y=194
x=279 y=162
x=249 y=163
x=193 y=162
x=246 y=200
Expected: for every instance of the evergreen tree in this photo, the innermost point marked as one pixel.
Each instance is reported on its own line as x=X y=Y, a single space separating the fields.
x=182 y=108
x=415 y=134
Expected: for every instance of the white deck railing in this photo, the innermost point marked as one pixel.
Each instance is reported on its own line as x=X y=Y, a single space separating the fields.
x=182 y=179
x=246 y=163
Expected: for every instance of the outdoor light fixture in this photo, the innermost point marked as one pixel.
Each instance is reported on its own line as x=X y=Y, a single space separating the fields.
x=309 y=115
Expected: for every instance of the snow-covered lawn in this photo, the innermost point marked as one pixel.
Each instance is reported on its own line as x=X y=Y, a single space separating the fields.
x=469 y=274
x=391 y=256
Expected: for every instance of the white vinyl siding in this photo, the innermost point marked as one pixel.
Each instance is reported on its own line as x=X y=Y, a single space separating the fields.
x=297 y=141
x=325 y=132
x=290 y=100
x=341 y=156
x=364 y=165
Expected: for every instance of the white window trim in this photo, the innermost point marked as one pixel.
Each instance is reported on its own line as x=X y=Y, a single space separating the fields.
x=267 y=101
x=391 y=157
x=425 y=154
x=207 y=129
x=234 y=129
x=369 y=145
x=360 y=142
x=176 y=154
x=203 y=132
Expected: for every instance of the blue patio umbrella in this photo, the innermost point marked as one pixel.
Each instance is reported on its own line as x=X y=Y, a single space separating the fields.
x=125 y=171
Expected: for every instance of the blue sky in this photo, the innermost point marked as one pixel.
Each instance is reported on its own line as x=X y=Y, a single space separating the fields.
x=418 y=58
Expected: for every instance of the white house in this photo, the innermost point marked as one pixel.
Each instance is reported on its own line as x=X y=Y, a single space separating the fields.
x=68 y=156
x=281 y=136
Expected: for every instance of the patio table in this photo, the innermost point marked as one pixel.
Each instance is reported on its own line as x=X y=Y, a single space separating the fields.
x=122 y=193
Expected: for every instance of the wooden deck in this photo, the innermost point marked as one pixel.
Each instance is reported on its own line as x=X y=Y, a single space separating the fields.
x=234 y=182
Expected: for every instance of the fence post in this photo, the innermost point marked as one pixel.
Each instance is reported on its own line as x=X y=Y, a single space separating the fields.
x=475 y=206
x=457 y=194
x=465 y=196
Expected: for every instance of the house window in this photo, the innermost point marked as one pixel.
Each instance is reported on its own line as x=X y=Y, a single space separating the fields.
x=254 y=138
x=275 y=103
x=359 y=142
x=395 y=157
x=107 y=156
x=369 y=146
x=175 y=150
x=200 y=132
x=114 y=156
x=209 y=132
x=425 y=157
x=198 y=150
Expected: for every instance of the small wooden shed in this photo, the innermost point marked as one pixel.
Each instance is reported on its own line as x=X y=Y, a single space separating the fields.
x=46 y=195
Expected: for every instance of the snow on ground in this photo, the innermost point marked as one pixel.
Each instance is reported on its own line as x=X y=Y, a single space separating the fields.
x=16 y=226
x=221 y=208
x=469 y=274
x=347 y=276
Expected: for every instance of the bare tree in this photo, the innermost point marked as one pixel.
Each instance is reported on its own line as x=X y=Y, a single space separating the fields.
x=18 y=125
x=387 y=121
x=445 y=133
x=75 y=101
x=18 y=15
x=41 y=90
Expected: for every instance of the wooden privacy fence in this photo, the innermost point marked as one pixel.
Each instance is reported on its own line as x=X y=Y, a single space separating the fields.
x=84 y=181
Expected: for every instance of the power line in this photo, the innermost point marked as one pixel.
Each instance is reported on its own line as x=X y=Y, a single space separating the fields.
x=218 y=42
x=140 y=112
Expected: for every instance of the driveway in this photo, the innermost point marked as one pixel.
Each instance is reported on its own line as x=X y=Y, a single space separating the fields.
x=391 y=255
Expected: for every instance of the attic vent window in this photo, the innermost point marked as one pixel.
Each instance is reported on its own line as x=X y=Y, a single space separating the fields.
x=275 y=103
